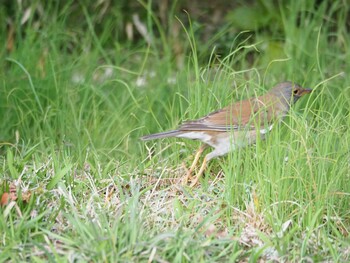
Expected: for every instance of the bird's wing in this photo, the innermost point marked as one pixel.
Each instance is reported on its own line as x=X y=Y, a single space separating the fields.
x=237 y=116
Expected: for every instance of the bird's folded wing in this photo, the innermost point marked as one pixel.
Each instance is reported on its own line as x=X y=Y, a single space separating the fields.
x=239 y=116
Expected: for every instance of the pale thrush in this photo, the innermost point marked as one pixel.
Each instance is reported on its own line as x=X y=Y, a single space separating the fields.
x=237 y=125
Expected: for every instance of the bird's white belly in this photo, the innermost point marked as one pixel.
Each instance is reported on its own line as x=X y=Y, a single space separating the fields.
x=196 y=136
x=222 y=146
x=225 y=144
x=226 y=141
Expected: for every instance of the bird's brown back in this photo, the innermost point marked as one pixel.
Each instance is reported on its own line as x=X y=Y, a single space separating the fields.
x=246 y=114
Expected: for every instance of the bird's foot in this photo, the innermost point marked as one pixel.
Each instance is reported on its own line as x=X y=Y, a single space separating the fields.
x=195 y=180
x=187 y=177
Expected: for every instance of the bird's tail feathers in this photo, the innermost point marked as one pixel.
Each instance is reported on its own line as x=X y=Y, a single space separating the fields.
x=160 y=135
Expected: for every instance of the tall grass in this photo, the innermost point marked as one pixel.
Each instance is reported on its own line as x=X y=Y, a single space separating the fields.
x=73 y=105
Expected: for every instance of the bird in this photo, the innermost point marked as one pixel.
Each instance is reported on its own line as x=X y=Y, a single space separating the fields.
x=235 y=126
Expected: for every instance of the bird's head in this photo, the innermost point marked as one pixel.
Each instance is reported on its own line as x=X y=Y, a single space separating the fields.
x=289 y=91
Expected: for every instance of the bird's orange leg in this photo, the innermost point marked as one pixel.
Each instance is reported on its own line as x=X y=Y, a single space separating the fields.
x=194 y=163
x=200 y=173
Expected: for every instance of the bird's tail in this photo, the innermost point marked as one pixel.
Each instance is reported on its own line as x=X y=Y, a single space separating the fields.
x=160 y=135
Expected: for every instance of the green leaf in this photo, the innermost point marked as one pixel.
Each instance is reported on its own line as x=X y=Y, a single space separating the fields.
x=10 y=164
x=58 y=176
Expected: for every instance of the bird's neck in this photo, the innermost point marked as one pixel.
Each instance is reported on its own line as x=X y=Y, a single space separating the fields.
x=275 y=106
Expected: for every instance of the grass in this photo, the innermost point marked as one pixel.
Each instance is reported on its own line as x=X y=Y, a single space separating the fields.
x=73 y=107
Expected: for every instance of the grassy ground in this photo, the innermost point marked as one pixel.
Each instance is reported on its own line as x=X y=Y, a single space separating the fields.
x=83 y=187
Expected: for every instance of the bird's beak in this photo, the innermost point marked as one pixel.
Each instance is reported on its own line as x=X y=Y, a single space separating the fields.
x=305 y=91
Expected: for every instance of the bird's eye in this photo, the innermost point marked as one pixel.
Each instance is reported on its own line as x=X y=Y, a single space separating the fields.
x=295 y=92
